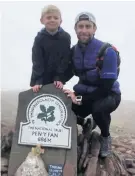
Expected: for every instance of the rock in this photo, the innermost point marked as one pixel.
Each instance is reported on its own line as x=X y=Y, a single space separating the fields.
x=129 y=163
x=4 y=166
x=121 y=150
x=120 y=145
x=6 y=140
x=103 y=173
x=128 y=156
x=95 y=144
x=113 y=147
x=4 y=163
x=133 y=166
x=132 y=142
x=131 y=170
x=125 y=141
x=37 y=166
x=92 y=164
x=133 y=154
x=129 y=152
x=109 y=165
x=45 y=100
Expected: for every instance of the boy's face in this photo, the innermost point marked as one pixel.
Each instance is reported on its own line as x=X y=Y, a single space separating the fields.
x=85 y=30
x=51 y=21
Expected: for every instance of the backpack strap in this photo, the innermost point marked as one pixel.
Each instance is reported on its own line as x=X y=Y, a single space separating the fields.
x=102 y=52
x=103 y=49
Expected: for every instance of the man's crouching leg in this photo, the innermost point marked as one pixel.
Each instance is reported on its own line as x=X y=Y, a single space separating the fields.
x=103 y=121
x=101 y=114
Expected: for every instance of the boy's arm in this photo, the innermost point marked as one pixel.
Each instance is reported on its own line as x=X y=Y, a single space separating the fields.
x=65 y=60
x=38 y=64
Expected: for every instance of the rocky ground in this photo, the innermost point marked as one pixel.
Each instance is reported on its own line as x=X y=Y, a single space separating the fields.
x=123 y=142
x=123 y=145
x=120 y=163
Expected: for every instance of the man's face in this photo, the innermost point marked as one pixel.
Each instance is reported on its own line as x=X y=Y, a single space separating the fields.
x=85 y=30
x=51 y=21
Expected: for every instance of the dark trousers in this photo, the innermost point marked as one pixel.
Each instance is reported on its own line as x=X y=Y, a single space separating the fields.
x=100 y=110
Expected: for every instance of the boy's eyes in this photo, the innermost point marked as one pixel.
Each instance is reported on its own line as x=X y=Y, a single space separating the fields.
x=54 y=17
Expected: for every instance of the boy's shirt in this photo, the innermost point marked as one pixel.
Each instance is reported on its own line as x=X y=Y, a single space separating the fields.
x=50 y=57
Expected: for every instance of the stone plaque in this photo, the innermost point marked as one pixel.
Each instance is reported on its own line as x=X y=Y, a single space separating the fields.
x=46 y=115
x=45 y=118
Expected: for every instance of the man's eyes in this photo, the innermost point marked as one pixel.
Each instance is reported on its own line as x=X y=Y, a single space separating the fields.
x=86 y=26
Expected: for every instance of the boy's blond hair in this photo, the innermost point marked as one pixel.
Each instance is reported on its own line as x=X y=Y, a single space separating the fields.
x=50 y=9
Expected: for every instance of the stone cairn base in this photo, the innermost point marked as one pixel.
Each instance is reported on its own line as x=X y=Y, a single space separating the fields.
x=89 y=162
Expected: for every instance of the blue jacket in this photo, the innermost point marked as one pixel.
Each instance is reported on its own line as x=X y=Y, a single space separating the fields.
x=90 y=79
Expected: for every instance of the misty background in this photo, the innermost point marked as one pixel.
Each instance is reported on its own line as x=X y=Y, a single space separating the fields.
x=20 y=22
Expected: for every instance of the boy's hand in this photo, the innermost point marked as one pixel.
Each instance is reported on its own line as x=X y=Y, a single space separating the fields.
x=36 y=88
x=58 y=84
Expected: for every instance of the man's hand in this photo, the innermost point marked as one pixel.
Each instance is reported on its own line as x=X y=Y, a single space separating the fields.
x=72 y=96
x=36 y=88
x=58 y=84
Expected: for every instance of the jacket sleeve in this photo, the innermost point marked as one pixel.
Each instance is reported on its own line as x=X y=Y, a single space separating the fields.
x=108 y=76
x=65 y=59
x=37 y=63
x=109 y=69
x=70 y=72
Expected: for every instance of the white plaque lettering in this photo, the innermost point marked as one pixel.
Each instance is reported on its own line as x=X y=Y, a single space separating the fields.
x=46 y=116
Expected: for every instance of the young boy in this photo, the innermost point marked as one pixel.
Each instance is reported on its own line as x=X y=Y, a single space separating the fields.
x=51 y=51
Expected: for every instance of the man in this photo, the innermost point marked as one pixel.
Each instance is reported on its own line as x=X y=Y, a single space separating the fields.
x=97 y=91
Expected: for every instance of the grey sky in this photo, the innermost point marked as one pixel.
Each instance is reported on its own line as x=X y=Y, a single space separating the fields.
x=20 y=23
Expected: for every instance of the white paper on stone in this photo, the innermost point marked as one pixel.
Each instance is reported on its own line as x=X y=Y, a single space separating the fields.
x=49 y=129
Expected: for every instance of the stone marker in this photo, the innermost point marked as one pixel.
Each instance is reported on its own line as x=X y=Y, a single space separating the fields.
x=45 y=118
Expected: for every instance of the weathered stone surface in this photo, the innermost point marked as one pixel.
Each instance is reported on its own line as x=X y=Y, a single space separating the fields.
x=129 y=163
x=93 y=165
x=110 y=166
x=6 y=139
x=68 y=157
x=113 y=166
x=121 y=149
x=131 y=170
x=4 y=166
